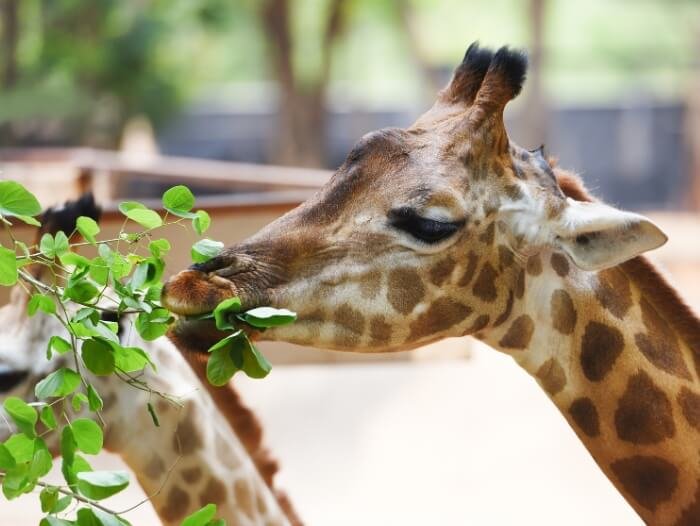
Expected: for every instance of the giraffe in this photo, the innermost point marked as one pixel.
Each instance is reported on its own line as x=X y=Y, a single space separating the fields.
x=206 y=450
x=448 y=228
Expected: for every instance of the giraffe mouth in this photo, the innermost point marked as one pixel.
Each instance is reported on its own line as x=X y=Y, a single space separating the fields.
x=193 y=292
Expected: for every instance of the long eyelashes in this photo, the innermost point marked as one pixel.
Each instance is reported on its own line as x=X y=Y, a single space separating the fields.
x=427 y=230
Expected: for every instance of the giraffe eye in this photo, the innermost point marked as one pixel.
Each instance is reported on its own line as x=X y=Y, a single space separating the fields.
x=424 y=229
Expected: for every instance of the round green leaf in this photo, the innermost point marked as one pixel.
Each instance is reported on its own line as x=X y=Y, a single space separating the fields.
x=88 y=228
x=16 y=200
x=255 y=365
x=7 y=461
x=130 y=359
x=97 y=517
x=94 y=399
x=201 y=222
x=41 y=460
x=41 y=302
x=28 y=219
x=158 y=247
x=21 y=447
x=178 y=200
x=88 y=436
x=80 y=291
x=125 y=206
x=201 y=517
x=8 y=267
x=144 y=217
x=48 y=498
x=98 y=357
x=47 y=417
x=50 y=520
x=61 y=245
x=57 y=344
x=263 y=317
x=59 y=383
x=220 y=366
x=46 y=245
x=205 y=249
x=154 y=324
x=99 y=485
x=222 y=311
x=23 y=415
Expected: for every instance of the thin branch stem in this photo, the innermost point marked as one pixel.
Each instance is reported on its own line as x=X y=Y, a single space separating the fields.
x=73 y=495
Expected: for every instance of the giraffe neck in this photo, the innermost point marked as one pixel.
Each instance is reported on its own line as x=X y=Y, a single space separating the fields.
x=624 y=373
x=194 y=457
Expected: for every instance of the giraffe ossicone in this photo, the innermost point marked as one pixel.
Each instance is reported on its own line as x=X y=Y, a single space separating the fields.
x=448 y=228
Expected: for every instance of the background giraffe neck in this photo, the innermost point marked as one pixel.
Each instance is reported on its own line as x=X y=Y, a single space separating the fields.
x=194 y=457
x=623 y=367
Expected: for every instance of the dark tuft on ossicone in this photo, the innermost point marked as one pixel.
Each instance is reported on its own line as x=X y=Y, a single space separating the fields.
x=64 y=218
x=477 y=59
x=512 y=64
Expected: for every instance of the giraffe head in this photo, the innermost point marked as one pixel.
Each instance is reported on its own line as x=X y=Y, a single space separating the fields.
x=421 y=233
x=23 y=339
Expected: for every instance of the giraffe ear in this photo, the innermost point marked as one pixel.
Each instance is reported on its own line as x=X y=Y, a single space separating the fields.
x=597 y=236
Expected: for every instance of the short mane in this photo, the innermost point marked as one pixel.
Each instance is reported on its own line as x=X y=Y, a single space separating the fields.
x=646 y=276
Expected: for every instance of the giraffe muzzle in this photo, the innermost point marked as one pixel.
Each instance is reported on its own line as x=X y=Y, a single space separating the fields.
x=192 y=292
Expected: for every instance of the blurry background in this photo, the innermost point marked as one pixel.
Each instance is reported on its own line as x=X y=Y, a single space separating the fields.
x=127 y=97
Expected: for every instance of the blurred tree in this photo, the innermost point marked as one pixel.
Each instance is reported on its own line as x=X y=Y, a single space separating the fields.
x=94 y=64
x=301 y=130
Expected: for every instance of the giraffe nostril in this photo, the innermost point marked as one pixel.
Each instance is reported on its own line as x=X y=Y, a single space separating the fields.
x=215 y=263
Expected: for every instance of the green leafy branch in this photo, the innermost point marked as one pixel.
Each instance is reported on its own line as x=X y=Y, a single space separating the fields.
x=123 y=275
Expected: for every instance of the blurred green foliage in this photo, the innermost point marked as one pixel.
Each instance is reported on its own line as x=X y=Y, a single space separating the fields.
x=98 y=62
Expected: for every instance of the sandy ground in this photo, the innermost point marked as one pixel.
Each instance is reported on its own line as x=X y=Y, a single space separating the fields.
x=415 y=443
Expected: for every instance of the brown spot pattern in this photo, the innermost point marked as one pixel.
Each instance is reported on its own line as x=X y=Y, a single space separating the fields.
x=441 y=271
x=186 y=439
x=644 y=414
x=406 y=289
x=154 y=468
x=563 y=312
x=560 y=264
x=585 y=414
x=353 y=323
x=534 y=265
x=488 y=234
x=466 y=278
x=371 y=284
x=506 y=312
x=176 y=505
x=513 y=192
x=600 y=347
x=519 y=333
x=213 y=493
x=505 y=256
x=690 y=406
x=660 y=345
x=613 y=292
x=442 y=314
x=520 y=284
x=191 y=475
x=379 y=330
x=497 y=168
x=484 y=287
x=650 y=480
x=479 y=323
x=552 y=376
